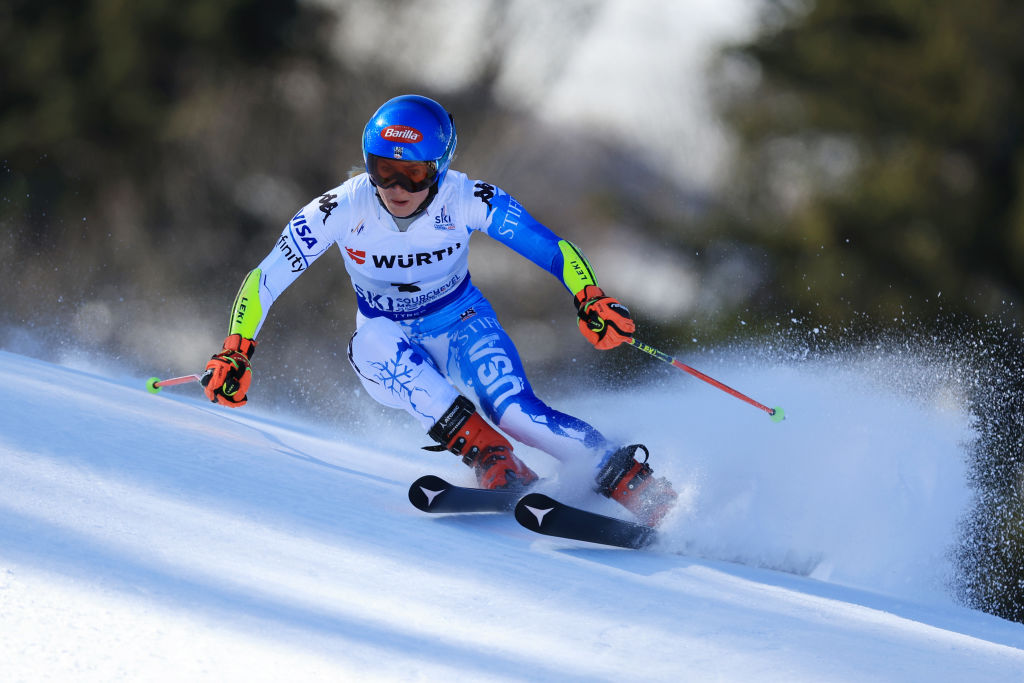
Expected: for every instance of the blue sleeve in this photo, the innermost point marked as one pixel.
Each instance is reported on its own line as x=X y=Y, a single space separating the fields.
x=513 y=226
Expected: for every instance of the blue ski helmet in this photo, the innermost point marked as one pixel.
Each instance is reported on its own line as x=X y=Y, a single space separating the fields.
x=411 y=128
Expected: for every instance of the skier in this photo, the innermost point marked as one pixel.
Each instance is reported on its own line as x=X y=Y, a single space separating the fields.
x=422 y=327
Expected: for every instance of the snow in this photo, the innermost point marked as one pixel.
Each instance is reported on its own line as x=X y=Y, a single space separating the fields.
x=160 y=537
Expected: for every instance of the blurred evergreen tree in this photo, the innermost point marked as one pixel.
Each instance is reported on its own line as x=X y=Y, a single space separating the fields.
x=131 y=133
x=99 y=80
x=882 y=158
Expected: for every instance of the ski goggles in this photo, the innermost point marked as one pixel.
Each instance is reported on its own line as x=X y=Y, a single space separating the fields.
x=411 y=176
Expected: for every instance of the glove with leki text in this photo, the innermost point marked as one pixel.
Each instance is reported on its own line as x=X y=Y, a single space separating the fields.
x=603 y=320
x=228 y=374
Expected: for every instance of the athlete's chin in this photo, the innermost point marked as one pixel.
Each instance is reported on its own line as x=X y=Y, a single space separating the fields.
x=400 y=209
x=401 y=204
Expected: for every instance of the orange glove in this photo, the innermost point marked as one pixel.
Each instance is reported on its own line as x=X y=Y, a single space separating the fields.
x=603 y=320
x=228 y=374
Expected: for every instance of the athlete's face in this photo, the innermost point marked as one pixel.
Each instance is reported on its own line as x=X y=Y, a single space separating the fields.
x=399 y=201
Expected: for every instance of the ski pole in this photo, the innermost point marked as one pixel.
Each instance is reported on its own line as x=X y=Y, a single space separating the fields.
x=153 y=384
x=776 y=413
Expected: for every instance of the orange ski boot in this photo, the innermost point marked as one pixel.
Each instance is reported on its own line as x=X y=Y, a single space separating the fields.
x=629 y=482
x=462 y=431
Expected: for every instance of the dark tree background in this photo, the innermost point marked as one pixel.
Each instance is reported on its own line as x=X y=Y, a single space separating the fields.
x=882 y=155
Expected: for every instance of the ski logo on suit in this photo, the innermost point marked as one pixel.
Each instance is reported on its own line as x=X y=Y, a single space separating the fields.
x=443 y=221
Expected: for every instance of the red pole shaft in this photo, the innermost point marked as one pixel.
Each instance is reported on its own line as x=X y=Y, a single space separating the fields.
x=662 y=356
x=727 y=389
x=176 y=380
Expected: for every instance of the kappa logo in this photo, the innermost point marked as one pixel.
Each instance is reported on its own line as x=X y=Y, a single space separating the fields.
x=357 y=255
x=401 y=134
x=486 y=193
x=327 y=205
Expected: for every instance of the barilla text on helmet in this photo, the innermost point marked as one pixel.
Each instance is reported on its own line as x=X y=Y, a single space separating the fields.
x=401 y=134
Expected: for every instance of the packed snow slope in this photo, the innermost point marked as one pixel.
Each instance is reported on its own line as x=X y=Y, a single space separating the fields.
x=159 y=537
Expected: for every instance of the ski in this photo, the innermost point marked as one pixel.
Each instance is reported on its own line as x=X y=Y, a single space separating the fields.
x=545 y=515
x=433 y=494
x=535 y=511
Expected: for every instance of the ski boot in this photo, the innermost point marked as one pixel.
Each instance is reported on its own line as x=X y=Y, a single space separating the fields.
x=629 y=482
x=462 y=431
